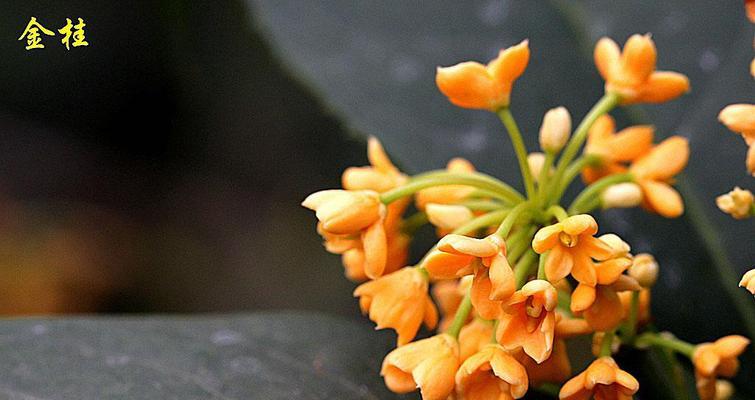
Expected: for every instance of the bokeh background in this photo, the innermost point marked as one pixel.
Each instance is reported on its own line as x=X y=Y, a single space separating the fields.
x=161 y=168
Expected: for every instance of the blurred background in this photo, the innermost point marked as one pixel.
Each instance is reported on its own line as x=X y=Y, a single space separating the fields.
x=160 y=169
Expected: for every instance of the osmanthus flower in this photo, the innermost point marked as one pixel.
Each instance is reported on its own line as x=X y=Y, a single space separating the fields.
x=712 y=360
x=487 y=87
x=447 y=217
x=602 y=380
x=748 y=281
x=380 y=176
x=568 y=326
x=491 y=373
x=631 y=73
x=572 y=248
x=655 y=171
x=456 y=256
x=601 y=305
x=740 y=118
x=474 y=336
x=400 y=301
x=447 y=194
x=529 y=320
x=428 y=364
x=612 y=149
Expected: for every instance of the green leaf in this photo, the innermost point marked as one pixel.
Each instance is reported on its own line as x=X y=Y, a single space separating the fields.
x=373 y=65
x=256 y=356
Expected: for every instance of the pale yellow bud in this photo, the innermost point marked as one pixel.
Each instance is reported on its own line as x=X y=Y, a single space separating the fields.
x=619 y=247
x=737 y=203
x=621 y=195
x=536 y=161
x=555 y=130
x=644 y=269
x=446 y=216
x=724 y=389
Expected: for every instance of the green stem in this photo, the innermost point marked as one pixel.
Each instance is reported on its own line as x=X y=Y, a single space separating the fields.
x=605 y=346
x=523 y=268
x=632 y=322
x=594 y=190
x=414 y=222
x=503 y=191
x=508 y=222
x=558 y=212
x=519 y=148
x=483 y=205
x=542 y=180
x=518 y=242
x=462 y=313
x=571 y=173
x=654 y=339
x=541 y=267
x=604 y=105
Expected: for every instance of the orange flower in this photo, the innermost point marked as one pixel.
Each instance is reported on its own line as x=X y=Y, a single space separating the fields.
x=556 y=369
x=600 y=305
x=716 y=359
x=428 y=364
x=399 y=301
x=487 y=87
x=365 y=257
x=447 y=194
x=455 y=256
x=380 y=176
x=614 y=148
x=740 y=118
x=748 y=281
x=656 y=169
x=572 y=247
x=474 y=336
x=529 y=320
x=631 y=73
x=602 y=379
x=491 y=373
x=345 y=211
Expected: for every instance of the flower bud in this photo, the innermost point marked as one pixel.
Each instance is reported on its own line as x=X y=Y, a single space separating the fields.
x=345 y=211
x=737 y=203
x=644 y=269
x=536 y=162
x=724 y=389
x=619 y=248
x=621 y=195
x=555 y=130
x=448 y=216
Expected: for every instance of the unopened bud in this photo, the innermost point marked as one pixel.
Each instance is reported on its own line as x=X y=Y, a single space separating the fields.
x=446 y=216
x=724 y=389
x=644 y=269
x=737 y=203
x=619 y=247
x=555 y=130
x=621 y=195
x=536 y=161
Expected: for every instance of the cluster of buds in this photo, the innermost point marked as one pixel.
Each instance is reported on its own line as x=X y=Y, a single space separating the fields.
x=515 y=276
x=740 y=118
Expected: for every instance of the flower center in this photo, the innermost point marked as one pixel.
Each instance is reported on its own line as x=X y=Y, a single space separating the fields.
x=568 y=240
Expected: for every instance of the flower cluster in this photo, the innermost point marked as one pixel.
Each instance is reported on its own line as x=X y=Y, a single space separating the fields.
x=516 y=276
